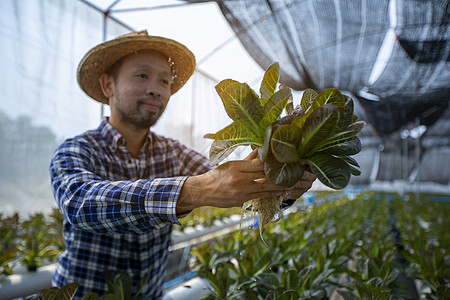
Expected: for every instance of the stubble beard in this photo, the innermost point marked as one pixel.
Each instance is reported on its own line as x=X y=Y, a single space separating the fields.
x=139 y=119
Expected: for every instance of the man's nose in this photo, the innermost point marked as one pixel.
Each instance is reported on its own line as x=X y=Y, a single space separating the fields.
x=153 y=88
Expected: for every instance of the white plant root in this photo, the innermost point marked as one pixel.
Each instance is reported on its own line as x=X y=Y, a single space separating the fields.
x=267 y=208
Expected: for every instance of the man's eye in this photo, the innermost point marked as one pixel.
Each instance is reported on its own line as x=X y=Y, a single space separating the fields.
x=142 y=76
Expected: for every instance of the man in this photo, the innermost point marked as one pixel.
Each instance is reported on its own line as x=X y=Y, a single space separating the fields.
x=121 y=187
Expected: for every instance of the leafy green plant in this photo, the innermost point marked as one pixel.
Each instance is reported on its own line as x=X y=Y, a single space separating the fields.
x=344 y=247
x=296 y=263
x=7 y=258
x=426 y=240
x=237 y=265
x=119 y=287
x=206 y=216
x=318 y=136
x=55 y=230
x=30 y=241
x=375 y=274
x=9 y=228
x=36 y=245
x=66 y=292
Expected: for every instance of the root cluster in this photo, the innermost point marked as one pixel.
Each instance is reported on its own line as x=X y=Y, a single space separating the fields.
x=268 y=210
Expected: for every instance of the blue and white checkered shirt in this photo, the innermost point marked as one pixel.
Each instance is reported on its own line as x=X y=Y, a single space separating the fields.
x=118 y=210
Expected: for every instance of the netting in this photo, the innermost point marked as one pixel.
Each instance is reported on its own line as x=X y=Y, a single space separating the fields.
x=391 y=55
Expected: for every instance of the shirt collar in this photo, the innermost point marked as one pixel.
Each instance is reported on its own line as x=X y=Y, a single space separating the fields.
x=115 y=140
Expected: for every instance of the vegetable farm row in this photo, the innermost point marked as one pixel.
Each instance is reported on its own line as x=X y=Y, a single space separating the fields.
x=34 y=240
x=391 y=248
x=37 y=239
x=377 y=246
x=29 y=241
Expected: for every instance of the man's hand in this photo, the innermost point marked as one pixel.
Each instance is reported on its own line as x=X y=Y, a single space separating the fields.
x=229 y=185
x=233 y=183
x=301 y=187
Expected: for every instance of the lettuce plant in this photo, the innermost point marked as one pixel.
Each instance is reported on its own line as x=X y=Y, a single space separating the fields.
x=317 y=136
x=119 y=286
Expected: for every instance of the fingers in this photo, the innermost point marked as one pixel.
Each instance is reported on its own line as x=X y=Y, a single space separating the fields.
x=262 y=188
x=251 y=165
x=246 y=179
x=267 y=189
x=302 y=186
x=235 y=182
x=308 y=176
x=264 y=185
x=252 y=155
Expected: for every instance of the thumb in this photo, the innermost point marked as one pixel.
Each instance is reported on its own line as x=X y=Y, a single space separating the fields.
x=252 y=155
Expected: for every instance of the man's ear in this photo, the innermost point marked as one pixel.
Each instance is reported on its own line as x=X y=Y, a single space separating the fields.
x=106 y=83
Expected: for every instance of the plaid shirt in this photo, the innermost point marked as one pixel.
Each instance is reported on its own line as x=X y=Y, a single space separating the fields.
x=118 y=210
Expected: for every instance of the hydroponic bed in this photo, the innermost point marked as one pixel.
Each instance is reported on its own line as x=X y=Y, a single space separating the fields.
x=351 y=245
x=379 y=246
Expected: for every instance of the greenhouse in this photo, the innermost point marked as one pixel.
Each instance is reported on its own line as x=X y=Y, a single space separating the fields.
x=356 y=92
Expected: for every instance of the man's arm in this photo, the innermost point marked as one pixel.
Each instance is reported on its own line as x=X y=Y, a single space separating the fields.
x=90 y=202
x=233 y=183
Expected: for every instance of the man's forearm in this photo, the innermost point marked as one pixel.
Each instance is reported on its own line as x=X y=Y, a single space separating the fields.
x=191 y=195
x=228 y=185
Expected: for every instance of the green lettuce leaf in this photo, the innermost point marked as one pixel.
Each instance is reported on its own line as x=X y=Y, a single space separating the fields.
x=274 y=107
x=307 y=98
x=241 y=103
x=351 y=131
x=227 y=139
x=331 y=171
x=350 y=146
x=346 y=118
x=264 y=150
x=319 y=135
x=318 y=127
x=269 y=83
x=284 y=143
x=285 y=175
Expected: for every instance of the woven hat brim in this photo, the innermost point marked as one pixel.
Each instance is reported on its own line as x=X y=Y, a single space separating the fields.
x=100 y=58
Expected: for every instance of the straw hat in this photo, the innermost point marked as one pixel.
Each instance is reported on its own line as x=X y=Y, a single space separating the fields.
x=100 y=58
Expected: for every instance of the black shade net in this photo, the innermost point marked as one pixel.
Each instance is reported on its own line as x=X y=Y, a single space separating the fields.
x=344 y=44
x=393 y=57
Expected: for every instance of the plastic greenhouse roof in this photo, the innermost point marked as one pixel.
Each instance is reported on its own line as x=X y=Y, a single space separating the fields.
x=200 y=25
x=391 y=56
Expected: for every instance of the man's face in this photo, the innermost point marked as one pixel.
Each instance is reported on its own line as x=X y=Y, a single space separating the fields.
x=141 y=89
